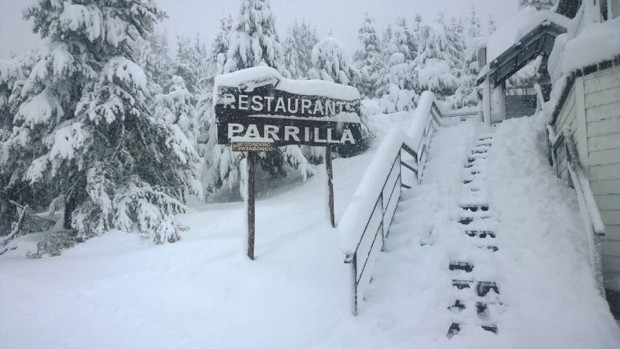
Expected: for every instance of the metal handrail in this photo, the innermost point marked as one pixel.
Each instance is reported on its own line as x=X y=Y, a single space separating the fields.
x=381 y=228
x=594 y=226
x=386 y=203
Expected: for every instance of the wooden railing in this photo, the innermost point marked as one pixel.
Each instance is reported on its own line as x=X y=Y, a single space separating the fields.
x=365 y=224
x=563 y=153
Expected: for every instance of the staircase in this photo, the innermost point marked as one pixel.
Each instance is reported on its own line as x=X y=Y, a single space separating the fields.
x=444 y=266
x=478 y=299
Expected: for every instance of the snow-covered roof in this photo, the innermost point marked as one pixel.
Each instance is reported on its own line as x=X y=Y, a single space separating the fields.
x=596 y=43
x=522 y=23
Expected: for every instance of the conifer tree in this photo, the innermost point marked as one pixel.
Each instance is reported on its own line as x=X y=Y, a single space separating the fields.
x=398 y=81
x=177 y=109
x=439 y=54
x=300 y=41
x=85 y=127
x=207 y=143
x=331 y=63
x=465 y=94
x=253 y=42
x=491 y=26
x=12 y=75
x=191 y=63
x=368 y=58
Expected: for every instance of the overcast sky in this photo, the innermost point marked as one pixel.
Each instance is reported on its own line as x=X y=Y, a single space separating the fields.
x=340 y=17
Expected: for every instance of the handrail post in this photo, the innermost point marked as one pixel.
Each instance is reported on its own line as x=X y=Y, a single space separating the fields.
x=353 y=262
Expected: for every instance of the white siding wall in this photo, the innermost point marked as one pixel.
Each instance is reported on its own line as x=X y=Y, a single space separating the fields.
x=591 y=113
x=567 y=120
x=602 y=108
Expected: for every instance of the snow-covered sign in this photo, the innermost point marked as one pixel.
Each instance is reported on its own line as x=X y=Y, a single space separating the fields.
x=259 y=104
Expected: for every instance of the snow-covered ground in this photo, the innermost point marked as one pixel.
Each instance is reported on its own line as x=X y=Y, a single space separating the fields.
x=201 y=292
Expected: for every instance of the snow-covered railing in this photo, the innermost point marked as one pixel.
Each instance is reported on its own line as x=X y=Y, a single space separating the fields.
x=426 y=119
x=594 y=226
x=366 y=221
x=458 y=117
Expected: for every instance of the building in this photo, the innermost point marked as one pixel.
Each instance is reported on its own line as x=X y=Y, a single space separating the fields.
x=578 y=48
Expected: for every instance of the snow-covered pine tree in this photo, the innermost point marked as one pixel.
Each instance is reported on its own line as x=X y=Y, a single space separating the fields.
x=330 y=62
x=402 y=40
x=207 y=142
x=253 y=42
x=491 y=26
x=177 y=109
x=154 y=58
x=86 y=129
x=367 y=59
x=386 y=37
x=398 y=81
x=415 y=31
x=300 y=40
x=219 y=48
x=473 y=27
x=539 y=4
x=465 y=94
x=12 y=74
x=439 y=54
x=191 y=63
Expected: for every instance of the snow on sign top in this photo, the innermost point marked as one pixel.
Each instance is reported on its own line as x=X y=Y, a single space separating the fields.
x=259 y=103
x=254 y=77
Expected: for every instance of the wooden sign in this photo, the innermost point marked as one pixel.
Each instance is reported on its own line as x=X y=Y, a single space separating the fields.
x=264 y=105
x=258 y=110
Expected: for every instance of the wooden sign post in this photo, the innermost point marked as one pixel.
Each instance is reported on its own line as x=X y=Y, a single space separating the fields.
x=251 y=202
x=330 y=185
x=256 y=109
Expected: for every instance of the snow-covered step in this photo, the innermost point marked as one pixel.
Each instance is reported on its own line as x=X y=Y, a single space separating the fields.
x=475 y=208
x=491 y=248
x=476 y=294
x=474 y=198
x=461 y=266
x=477 y=157
x=482 y=234
x=457 y=306
x=472 y=217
